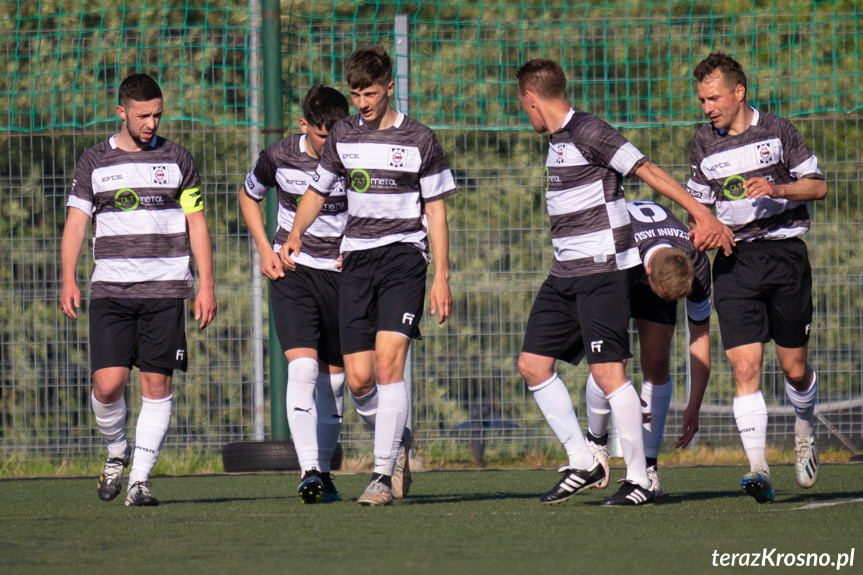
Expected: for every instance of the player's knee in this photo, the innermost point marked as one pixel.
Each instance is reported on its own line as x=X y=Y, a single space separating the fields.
x=532 y=372
x=746 y=373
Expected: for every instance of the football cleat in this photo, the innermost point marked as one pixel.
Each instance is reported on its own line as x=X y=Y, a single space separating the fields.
x=311 y=486
x=111 y=479
x=329 y=492
x=601 y=453
x=757 y=484
x=402 y=474
x=806 y=463
x=139 y=495
x=573 y=481
x=377 y=494
x=630 y=495
x=653 y=475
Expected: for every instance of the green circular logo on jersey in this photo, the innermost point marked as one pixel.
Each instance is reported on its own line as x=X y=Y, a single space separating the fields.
x=732 y=187
x=545 y=177
x=126 y=199
x=360 y=180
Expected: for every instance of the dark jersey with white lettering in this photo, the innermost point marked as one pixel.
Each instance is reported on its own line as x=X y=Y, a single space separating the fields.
x=654 y=226
x=584 y=170
x=140 y=241
x=389 y=175
x=286 y=165
x=771 y=148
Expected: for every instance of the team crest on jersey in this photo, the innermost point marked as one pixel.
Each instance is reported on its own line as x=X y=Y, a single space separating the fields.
x=160 y=174
x=397 y=157
x=764 y=152
x=561 y=153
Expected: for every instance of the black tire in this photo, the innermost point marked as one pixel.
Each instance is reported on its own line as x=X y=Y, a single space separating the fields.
x=271 y=455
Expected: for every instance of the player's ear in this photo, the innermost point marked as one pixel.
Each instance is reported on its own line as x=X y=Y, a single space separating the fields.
x=304 y=126
x=391 y=87
x=121 y=111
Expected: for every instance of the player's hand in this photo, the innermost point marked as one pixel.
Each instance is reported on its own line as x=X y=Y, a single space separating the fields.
x=689 y=429
x=709 y=233
x=70 y=300
x=290 y=248
x=271 y=265
x=339 y=262
x=205 y=307
x=756 y=188
x=440 y=299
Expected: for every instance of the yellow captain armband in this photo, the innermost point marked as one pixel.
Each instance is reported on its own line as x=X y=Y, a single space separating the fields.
x=191 y=200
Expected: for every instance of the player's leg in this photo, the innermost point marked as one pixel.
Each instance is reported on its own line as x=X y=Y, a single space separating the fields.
x=161 y=350
x=744 y=327
x=303 y=372
x=330 y=403
x=655 y=341
x=598 y=412
x=150 y=432
x=113 y=336
x=553 y=332
x=790 y=311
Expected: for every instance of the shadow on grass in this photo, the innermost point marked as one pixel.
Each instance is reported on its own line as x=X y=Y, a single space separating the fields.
x=466 y=497
x=218 y=500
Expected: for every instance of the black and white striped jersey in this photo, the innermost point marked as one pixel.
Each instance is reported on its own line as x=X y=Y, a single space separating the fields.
x=590 y=228
x=389 y=175
x=286 y=165
x=140 y=242
x=654 y=226
x=771 y=148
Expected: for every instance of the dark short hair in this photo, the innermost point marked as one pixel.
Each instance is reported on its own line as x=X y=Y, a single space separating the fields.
x=671 y=269
x=324 y=106
x=138 y=88
x=543 y=76
x=368 y=66
x=732 y=72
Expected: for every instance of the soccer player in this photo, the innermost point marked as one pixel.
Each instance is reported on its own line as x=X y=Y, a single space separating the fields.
x=671 y=268
x=397 y=178
x=306 y=300
x=582 y=308
x=755 y=168
x=143 y=194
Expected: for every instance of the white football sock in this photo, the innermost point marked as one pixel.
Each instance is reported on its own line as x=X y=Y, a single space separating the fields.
x=626 y=408
x=111 y=419
x=658 y=400
x=302 y=411
x=598 y=409
x=392 y=416
x=330 y=403
x=750 y=412
x=556 y=405
x=150 y=432
x=804 y=408
x=367 y=406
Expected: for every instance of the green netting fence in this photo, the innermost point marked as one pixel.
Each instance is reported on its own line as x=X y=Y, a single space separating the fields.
x=628 y=62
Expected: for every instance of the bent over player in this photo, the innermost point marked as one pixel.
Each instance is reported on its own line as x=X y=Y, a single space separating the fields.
x=582 y=308
x=672 y=268
x=143 y=194
x=305 y=301
x=397 y=178
x=755 y=168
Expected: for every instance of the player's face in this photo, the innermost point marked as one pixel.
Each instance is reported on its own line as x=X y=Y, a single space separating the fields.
x=373 y=102
x=141 y=120
x=528 y=103
x=719 y=103
x=315 y=138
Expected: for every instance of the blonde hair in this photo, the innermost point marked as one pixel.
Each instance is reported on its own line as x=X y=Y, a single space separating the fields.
x=671 y=269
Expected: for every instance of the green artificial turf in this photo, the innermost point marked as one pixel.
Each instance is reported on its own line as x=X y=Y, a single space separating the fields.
x=452 y=522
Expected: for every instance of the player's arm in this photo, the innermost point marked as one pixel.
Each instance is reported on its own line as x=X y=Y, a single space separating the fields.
x=199 y=240
x=70 y=251
x=254 y=217
x=710 y=233
x=441 y=296
x=309 y=208
x=699 y=361
x=803 y=190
